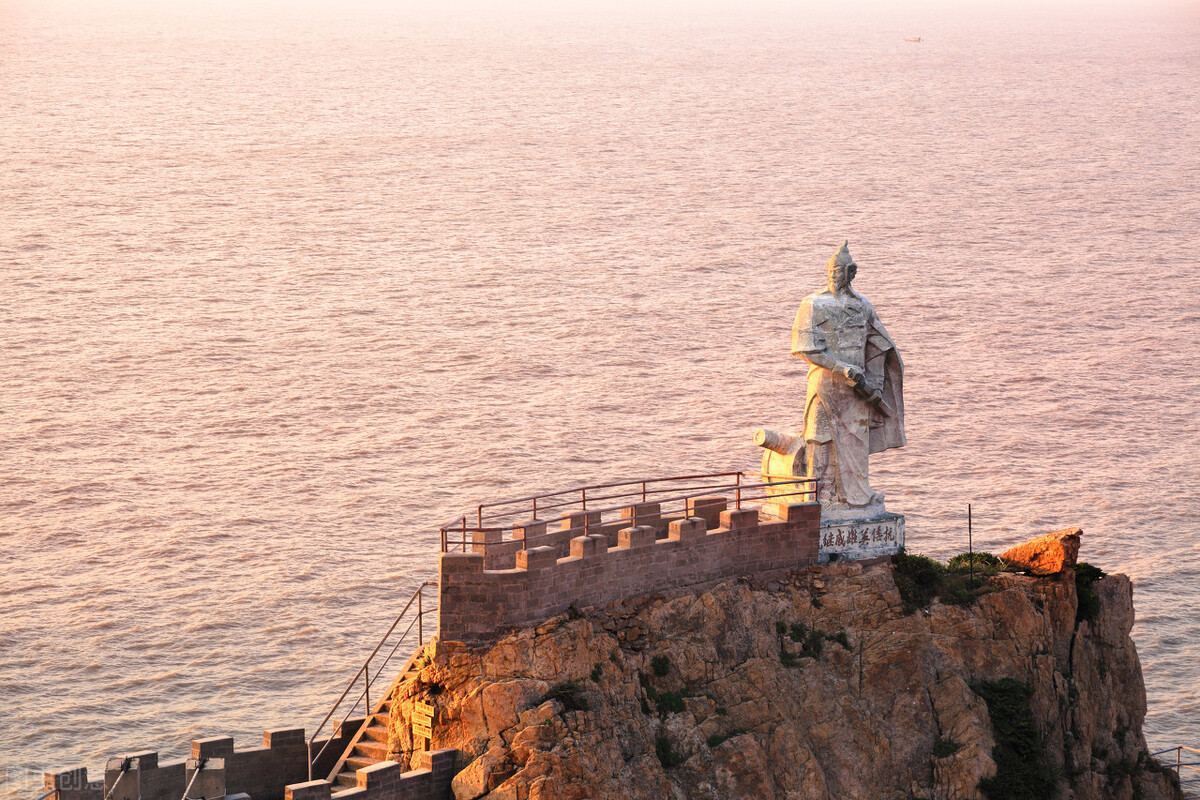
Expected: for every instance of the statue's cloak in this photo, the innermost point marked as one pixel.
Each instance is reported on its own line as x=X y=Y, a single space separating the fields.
x=833 y=412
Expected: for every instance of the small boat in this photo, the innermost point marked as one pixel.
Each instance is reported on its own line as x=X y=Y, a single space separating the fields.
x=917 y=39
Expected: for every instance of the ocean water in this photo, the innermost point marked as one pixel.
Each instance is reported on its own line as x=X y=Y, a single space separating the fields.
x=286 y=286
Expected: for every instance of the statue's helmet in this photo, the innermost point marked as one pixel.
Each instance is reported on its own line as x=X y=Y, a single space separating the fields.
x=842 y=257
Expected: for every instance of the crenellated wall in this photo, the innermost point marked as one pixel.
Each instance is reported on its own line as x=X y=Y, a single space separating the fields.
x=478 y=604
x=275 y=771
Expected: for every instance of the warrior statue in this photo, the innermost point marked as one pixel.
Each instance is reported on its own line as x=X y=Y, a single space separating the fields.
x=855 y=404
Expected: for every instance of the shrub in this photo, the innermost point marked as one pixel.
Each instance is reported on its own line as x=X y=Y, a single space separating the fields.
x=840 y=638
x=597 y=672
x=918 y=578
x=669 y=703
x=781 y=627
x=1022 y=772
x=945 y=747
x=573 y=612
x=798 y=632
x=665 y=752
x=660 y=665
x=570 y=694
x=984 y=563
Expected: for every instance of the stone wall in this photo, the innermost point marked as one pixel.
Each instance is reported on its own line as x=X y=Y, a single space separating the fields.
x=478 y=604
x=260 y=772
x=386 y=781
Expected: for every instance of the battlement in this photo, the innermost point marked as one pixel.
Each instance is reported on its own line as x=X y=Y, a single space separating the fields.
x=588 y=562
x=278 y=770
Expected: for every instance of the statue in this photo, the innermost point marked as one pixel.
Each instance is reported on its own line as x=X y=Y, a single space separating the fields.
x=855 y=405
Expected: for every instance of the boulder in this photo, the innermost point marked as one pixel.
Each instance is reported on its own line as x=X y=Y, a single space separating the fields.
x=1047 y=555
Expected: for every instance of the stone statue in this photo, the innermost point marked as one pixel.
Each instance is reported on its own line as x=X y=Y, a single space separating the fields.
x=855 y=404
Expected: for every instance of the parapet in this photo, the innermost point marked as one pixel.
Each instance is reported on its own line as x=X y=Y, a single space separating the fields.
x=260 y=772
x=507 y=583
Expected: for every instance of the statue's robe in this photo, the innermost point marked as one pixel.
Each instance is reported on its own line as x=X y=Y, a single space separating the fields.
x=849 y=331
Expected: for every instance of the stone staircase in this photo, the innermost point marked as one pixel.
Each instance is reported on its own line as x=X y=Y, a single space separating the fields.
x=370 y=745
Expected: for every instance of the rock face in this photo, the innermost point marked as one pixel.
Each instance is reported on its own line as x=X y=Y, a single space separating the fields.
x=729 y=693
x=1047 y=555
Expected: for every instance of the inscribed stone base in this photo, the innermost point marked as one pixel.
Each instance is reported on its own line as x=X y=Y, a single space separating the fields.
x=855 y=539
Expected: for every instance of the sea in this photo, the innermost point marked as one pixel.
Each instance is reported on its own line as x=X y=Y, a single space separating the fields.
x=284 y=286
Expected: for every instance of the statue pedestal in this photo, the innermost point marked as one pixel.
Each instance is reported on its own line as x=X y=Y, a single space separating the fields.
x=853 y=539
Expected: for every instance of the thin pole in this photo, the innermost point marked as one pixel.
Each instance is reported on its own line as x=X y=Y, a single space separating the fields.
x=420 y=617
x=970 y=544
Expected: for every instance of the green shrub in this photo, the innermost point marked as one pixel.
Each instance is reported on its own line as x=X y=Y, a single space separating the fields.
x=813 y=644
x=918 y=578
x=798 y=631
x=840 y=638
x=670 y=703
x=1022 y=772
x=597 y=672
x=984 y=563
x=660 y=665
x=1088 y=607
x=665 y=752
x=945 y=747
x=573 y=612
x=570 y=694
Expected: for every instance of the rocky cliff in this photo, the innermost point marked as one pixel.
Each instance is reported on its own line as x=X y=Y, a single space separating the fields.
x=817 y=683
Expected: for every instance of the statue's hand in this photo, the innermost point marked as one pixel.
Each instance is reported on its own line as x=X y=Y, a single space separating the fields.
x=852 y=374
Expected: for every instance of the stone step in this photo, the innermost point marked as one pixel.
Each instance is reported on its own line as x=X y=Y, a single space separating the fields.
x=347 y=779
x=372 y=749
x=376 y=732
x=357 y=761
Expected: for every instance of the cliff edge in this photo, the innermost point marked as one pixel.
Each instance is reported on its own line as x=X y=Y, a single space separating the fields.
x=815 y=683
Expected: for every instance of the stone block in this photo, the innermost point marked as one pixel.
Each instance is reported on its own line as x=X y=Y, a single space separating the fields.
x=536 y=558
x=1047 y=555
x=582 y=522
x=794 y=512
x=283 y=737
x=380 y=777
x=638 y=536
x=460 y=563
x=481 y=539
x=707 y=508
x=212 y=747
x=211 y=780
x=309 y=790
x=588 y=546
x=736 y=519
x=529 y=530
x=146 y=759
x=67 y=780
x=640 y=514
x=687 y=530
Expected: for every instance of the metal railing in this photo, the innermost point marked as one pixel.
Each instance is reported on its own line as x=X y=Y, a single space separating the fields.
x=364 y=672
x=587 y=505
x=1190 y=785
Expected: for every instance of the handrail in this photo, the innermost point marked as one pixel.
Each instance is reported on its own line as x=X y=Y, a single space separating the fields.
x=47 y=794
x=1180 y=765
x=365 y=672
x=742 y=491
